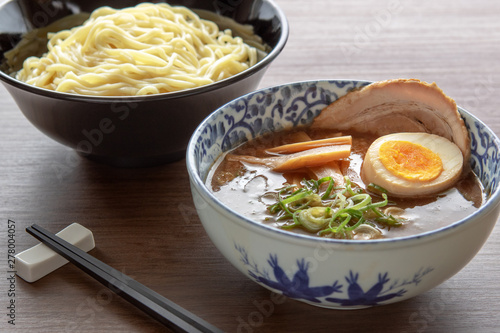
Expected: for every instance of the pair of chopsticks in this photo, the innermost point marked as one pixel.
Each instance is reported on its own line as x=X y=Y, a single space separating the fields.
x=165 y=311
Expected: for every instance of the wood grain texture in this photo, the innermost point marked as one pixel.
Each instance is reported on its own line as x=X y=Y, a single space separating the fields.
x=144 y=220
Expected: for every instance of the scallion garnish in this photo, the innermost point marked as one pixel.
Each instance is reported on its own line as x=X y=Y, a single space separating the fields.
x=333 y=212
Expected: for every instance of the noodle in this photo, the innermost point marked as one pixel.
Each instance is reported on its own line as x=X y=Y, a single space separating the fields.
x=147 y=49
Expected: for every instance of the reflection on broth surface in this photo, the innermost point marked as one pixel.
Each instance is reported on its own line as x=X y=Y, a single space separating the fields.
x=251 y=190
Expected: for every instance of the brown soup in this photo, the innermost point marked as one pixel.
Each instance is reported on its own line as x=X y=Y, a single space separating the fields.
x=252 y=189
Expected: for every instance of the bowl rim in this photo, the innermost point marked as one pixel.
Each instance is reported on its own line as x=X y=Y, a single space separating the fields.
x=261 y=65
x=491 y=202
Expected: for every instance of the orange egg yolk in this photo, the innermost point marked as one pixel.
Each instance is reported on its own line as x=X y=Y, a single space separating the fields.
x=410 y=160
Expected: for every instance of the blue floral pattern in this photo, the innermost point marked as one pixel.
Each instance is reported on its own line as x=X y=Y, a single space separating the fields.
x=356 y=295
x=485 y=153
x=352 y=294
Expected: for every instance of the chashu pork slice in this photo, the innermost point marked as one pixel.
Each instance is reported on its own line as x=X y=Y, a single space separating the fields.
x=400 y=105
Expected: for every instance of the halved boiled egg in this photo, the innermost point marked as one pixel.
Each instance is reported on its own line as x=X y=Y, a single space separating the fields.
x=412 y=164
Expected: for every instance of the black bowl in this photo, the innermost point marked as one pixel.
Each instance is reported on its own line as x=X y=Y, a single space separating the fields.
x=139 y=130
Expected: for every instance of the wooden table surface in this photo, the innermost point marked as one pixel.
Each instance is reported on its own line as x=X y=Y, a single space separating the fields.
x=144 y=221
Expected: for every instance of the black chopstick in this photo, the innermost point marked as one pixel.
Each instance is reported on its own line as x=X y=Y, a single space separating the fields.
x=165 y=311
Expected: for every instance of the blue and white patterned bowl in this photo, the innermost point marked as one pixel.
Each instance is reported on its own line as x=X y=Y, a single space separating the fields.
x=327 y=272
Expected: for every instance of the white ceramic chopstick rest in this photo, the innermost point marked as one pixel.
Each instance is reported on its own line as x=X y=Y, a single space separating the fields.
x=38 y=261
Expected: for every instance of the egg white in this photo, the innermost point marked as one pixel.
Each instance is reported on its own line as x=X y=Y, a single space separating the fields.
x=373 y=170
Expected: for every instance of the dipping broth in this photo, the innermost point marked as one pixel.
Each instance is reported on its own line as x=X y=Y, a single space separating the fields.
x=251 y=189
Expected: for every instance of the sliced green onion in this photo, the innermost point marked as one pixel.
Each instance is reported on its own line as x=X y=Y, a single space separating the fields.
x=314 y=218
x=329 y=211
